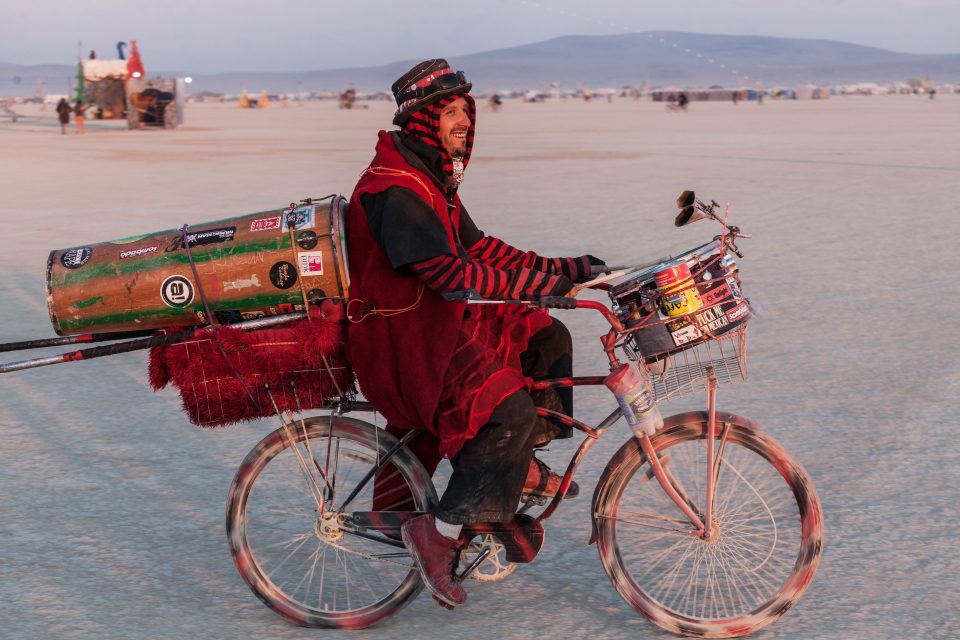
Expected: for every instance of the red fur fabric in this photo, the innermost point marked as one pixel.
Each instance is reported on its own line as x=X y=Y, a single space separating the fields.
x=212 y=394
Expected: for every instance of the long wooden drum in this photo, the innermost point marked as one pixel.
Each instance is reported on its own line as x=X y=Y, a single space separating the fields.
x=247 y=267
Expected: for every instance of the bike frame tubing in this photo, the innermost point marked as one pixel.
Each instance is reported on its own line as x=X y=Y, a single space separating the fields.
x=703 y=526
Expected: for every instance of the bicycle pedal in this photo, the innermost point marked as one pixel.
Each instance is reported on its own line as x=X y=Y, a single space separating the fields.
x=474 y=564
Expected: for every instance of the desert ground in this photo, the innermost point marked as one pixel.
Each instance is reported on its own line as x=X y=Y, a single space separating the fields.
x=111 y=503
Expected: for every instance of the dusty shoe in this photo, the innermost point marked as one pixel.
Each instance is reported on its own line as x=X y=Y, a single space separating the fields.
x=435 y=555
x=543 y=483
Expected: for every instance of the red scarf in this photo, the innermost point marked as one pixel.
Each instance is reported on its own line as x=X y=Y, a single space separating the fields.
x=425 y=125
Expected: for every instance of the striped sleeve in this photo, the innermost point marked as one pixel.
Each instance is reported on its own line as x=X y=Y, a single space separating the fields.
x=448 y=273
x=497 y=253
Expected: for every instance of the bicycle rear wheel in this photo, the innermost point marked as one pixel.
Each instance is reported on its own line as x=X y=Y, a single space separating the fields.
x=768 y=530
x=292 y=540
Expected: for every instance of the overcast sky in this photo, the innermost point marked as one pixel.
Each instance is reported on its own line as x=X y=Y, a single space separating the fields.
x=208 y=36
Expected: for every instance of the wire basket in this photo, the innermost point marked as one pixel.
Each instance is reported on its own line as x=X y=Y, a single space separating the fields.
x=687 y=371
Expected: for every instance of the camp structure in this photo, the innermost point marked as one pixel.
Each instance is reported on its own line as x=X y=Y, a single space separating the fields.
x=119 y=89
x=152 y=103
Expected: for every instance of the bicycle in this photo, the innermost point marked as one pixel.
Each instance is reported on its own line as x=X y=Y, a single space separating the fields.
x=708 y=528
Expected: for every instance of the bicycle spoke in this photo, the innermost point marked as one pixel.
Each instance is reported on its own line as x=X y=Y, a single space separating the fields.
x=735 y=573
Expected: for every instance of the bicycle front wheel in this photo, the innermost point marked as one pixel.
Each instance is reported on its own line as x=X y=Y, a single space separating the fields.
x=767 y=529
x=292 y=538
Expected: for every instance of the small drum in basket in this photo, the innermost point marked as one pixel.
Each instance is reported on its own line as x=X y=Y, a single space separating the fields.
x=247 y=267
x=698 y=298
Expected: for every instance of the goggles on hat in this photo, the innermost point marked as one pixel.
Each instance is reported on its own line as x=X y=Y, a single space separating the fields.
x=440 y=83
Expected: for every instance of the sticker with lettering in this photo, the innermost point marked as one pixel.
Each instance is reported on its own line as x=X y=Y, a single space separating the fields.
x=685 y=334
x=735 y=287
x=307 y=240
x=283 y=275
x=76 y=258
x=176 y=291
x=300 y=218
x=137 y=253
x=265 y=224
x=252 y=315
x=711 y=319
x=201 y=238
x=738 y=312
x=311 y=263
x=712 y=296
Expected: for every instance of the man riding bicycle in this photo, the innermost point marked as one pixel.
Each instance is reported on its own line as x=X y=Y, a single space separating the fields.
x=430 y=362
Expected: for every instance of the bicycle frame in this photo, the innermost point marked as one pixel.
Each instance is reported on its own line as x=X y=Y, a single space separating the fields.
x=701 y=522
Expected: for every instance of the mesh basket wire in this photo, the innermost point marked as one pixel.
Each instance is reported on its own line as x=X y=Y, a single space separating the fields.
x=687 y=371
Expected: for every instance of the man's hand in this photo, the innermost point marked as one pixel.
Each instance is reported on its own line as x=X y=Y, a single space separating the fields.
x=598 y=270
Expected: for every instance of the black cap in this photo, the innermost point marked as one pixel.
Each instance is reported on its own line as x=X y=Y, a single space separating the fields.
x=424 y=84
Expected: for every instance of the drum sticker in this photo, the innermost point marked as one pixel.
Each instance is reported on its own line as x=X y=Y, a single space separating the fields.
x=201 y=238
x=177 y=292
x=265 y=224
x=716 y=294
x=738 y=312
x=302 y=218
x=307 y=240
x=684 y=335
x=311 y=263
x=136 y=253
x=237 y=285
x=76 y=258
x=252 y=315
x=735 y=288
x=228 y=317
x=283 y=275
x=712 y=319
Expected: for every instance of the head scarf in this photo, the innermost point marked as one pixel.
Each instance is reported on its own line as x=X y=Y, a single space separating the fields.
x=425 y=125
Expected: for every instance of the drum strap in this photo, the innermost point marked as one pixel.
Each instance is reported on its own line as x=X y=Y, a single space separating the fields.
x=210 y=317
x=293 y=251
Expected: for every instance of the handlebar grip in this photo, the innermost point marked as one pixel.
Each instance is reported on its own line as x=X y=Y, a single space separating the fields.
x=556 y=302
x=464 y=295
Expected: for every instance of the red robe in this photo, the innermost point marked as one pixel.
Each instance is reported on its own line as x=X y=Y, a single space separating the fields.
x=424 y=362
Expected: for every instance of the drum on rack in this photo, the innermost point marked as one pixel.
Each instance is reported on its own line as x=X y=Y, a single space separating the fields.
x=681 y=302
x=247 y=267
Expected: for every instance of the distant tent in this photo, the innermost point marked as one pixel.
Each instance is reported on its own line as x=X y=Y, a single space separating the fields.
x=135 y=64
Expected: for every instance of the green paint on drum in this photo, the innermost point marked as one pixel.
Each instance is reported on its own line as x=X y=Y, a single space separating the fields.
x=89 y=302
x=176 y=317
x=114 y=268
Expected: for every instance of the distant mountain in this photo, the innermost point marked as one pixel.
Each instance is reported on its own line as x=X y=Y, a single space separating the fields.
x=654 y=58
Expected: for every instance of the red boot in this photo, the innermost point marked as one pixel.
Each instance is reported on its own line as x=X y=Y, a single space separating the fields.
x=435 y=555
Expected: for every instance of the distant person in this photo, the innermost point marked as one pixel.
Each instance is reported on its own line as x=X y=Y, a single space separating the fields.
x=682 y=101
x=78 y=118
x=759 y=97
x=63 y=112
x=736 y=97
x=933 y=92
x=495 y=102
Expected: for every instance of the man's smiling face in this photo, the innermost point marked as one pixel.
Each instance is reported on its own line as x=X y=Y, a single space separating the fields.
x=454 y=124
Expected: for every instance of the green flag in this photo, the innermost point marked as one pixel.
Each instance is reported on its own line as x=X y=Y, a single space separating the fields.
x=79 y=88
